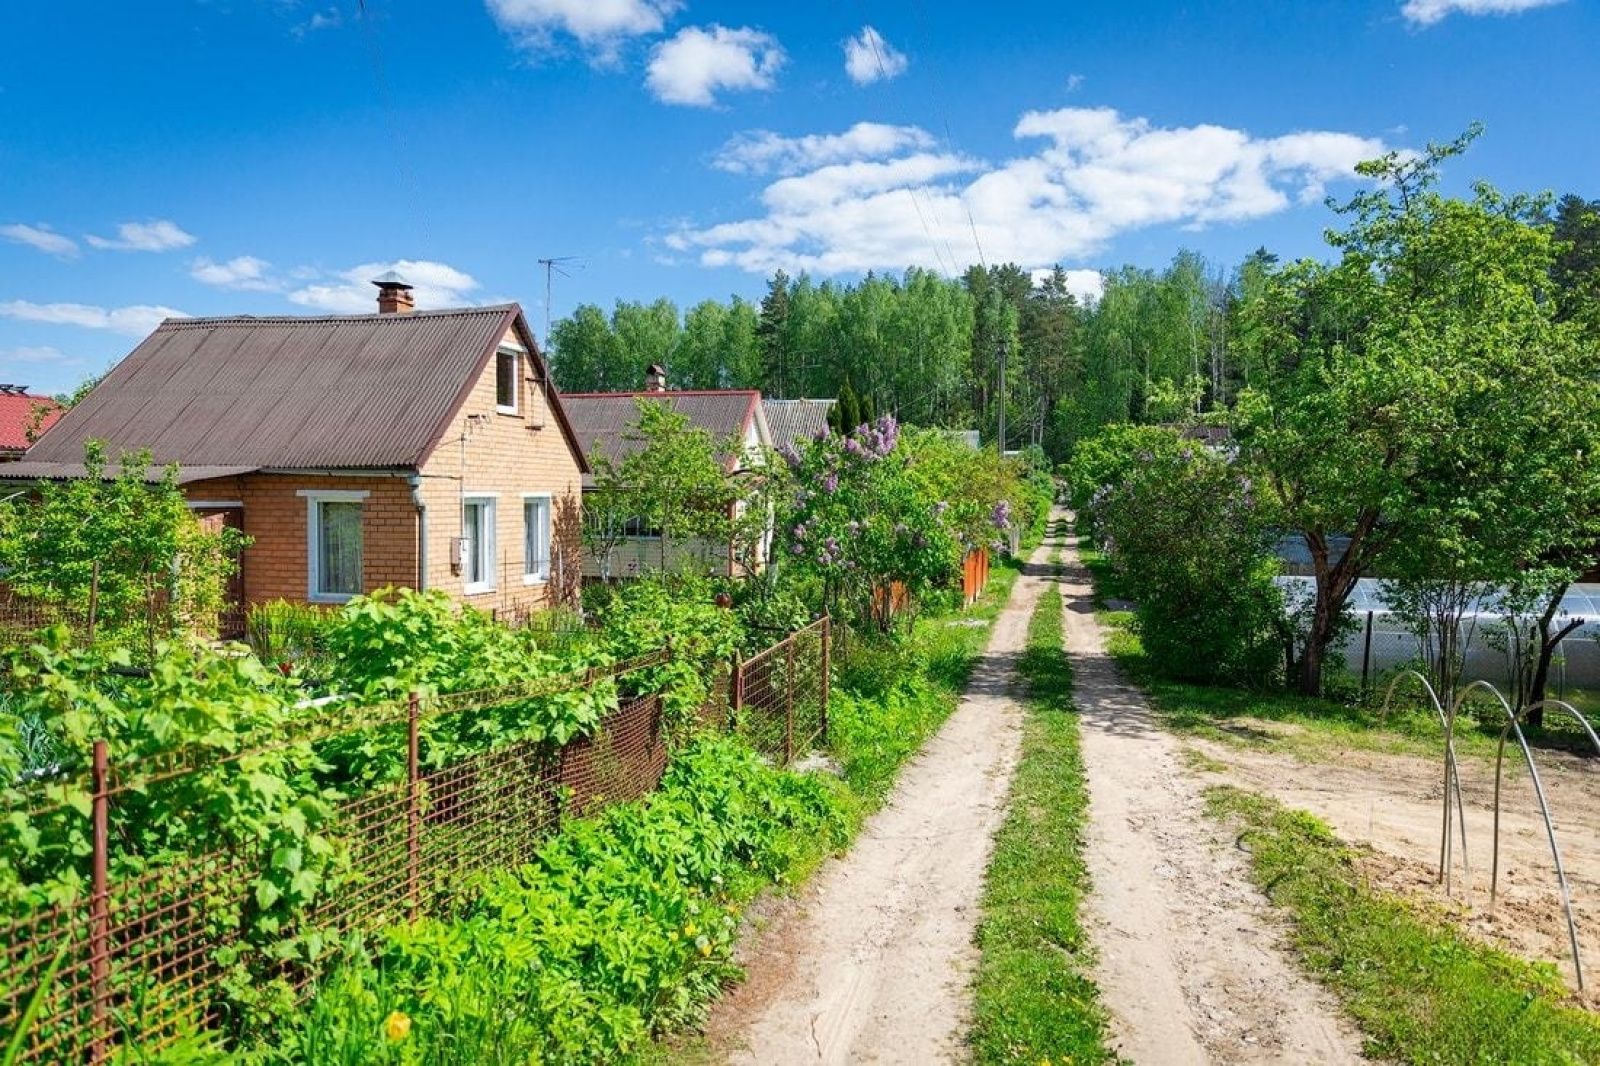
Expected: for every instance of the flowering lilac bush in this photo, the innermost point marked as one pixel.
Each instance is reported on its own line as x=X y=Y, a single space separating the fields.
x=857 y=524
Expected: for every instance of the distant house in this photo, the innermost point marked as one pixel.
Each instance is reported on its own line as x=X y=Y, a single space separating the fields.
x=607 y=422
x=793 y=421
x=23 y=417
x=424 y=449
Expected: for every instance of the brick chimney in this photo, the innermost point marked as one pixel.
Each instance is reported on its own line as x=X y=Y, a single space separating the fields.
x=394 y=294
x=655 y=378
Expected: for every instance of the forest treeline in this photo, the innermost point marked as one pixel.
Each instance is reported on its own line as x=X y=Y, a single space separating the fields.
x=1156 y=346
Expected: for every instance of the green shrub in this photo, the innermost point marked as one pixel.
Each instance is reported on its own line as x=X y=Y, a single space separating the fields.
x=621 y=927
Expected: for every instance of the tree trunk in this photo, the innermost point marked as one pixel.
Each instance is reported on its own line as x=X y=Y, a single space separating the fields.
x=1547 y=651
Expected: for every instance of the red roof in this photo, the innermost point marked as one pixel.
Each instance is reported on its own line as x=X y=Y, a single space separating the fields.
x=18 y=409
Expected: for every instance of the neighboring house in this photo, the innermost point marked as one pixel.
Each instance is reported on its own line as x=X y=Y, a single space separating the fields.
x=23 y=417
x=424 y=449
x=607 y=422
x=793 y=421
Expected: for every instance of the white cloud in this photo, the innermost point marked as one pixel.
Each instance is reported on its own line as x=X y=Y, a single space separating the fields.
x=330 y=19
x=241 y=272
x=695 y=65
x=41 y=237
x=135 y=321
x=869 y=58
x=38 y=354
x=1087 y=285
x=600 y=26
x=436 y=285
x=1427 y=12
x=764 y=152
x=158 y=235
x=1095 y=175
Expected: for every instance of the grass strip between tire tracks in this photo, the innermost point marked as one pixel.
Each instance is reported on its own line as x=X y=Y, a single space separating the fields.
x=1034 y=1000
x=1420 y=991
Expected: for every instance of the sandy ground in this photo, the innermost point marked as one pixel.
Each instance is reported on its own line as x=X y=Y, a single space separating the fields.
x=1191 y=965
x=872 y=962
x=1392 y=807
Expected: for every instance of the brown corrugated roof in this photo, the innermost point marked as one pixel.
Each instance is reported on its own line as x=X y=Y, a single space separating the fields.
x=792 y=421
x=33 y=470
x=609 y=418
x=360 y=391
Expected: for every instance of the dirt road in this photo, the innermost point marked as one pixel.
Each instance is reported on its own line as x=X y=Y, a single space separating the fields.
x=1190 y=963
x=872 y=962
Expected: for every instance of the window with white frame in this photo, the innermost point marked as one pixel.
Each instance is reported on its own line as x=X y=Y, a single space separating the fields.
x=333 y=544
x=507 y=364
x=477 y=543
x=535 y=538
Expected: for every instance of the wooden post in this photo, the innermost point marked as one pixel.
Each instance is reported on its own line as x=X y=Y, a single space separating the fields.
x=736 y=694
x=1366 y=657
x=100 y=910
x=414 y=801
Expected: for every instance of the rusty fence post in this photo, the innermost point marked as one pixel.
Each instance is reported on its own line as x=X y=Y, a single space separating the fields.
x=788 y=706
x=736 y=695
x=827 y=668
x=100 y=909
x=414 y=800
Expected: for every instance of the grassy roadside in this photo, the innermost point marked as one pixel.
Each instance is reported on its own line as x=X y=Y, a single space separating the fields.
x=1421 y=992
x=1034 y=1002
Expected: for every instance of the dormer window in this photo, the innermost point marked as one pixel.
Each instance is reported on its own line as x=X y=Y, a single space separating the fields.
x=507 y=370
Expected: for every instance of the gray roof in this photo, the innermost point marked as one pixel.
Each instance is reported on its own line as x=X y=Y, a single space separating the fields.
x=608 y=419
x=359 y=391
x=792 y=421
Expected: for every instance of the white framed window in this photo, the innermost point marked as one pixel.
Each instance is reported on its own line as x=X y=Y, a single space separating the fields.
x=535 y=537
x=477 y=544
x=507 y=374
x=333 y=543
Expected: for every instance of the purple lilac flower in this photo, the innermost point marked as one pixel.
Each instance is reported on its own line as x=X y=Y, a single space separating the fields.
x=830 y=484
x=1001 y=515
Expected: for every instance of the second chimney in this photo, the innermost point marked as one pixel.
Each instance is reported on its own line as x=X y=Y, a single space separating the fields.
x=655 y=378
x=394 y=294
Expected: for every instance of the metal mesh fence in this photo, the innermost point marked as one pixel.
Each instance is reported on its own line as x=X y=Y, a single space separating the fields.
x=780 y=696
x=151 y=946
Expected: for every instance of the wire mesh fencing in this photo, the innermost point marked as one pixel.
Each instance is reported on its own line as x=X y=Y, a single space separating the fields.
x=779 y=700
x=138 y=943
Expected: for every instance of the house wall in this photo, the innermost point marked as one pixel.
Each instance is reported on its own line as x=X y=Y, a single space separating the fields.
x=276 y=518
x=486 y=452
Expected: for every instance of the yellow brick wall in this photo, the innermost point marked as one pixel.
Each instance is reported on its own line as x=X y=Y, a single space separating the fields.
x=503 y=455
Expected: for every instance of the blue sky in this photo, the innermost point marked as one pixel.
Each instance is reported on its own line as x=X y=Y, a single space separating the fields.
x=212 y=157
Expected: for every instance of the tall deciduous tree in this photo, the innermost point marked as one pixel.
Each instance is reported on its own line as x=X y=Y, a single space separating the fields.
x=1398 y=396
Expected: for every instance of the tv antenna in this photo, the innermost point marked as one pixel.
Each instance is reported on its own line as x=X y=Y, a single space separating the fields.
x=552 y=267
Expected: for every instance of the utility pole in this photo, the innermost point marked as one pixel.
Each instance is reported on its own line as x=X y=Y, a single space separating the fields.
x=1005 y=347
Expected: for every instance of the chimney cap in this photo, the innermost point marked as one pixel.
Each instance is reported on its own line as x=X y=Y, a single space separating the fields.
x=391 y=280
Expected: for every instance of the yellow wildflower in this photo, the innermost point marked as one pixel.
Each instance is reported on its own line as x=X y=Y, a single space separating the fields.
x=689 y=930
x=396 y=1027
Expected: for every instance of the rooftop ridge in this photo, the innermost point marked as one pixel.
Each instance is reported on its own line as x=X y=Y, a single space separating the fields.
x=187 y=322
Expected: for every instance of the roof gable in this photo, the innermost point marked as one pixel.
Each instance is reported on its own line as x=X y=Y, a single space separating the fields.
x=372 y=391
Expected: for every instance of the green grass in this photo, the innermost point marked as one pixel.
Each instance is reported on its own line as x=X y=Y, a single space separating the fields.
x=1325 y=726
x=1034 y=1001
x=1421 y=992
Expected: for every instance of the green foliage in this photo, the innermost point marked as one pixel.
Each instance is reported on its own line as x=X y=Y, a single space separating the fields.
x=1034 y=1000
x=123 y=545
x=394 y=642
x=1183 y=530
x=1421 y=991
x=1108 y=459
x=621 y=927
x=645 y=617
x=674 y=482
x=288 y=636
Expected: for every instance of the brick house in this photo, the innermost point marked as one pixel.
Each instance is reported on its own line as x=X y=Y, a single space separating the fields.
x=425 y=449
x=607 y=422
x=23 y=416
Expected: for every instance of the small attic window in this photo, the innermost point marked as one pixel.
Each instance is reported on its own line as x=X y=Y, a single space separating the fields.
x=507 y=365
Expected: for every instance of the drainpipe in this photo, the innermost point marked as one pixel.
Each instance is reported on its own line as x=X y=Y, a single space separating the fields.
x=422 y=530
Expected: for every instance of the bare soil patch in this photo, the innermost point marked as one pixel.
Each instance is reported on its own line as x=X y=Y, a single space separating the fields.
x=1392 y=807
